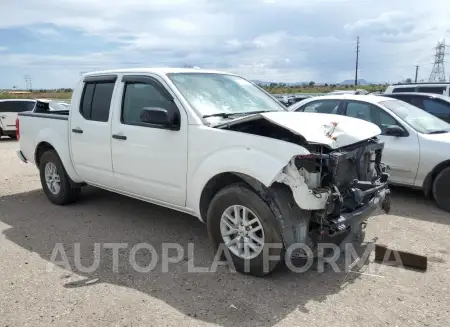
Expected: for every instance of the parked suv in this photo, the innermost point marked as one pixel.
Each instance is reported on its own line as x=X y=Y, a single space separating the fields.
x=435 y=88
x=9 y=109
x=435 y=104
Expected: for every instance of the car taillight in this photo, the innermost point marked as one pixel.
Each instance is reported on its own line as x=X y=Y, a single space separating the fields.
x=17 y=129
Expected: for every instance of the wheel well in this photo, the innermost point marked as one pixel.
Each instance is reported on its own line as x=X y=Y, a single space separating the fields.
x=428 y=183
x=40 y=150
x=221 y=181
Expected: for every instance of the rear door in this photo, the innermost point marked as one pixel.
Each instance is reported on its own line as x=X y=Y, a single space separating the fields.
x=400 y=154
x=90 y=131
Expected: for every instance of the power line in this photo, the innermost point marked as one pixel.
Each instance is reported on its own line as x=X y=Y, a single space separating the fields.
x=357 y=61
x=28 y=84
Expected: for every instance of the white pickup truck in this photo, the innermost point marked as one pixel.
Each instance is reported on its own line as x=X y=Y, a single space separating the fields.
x=215 y=146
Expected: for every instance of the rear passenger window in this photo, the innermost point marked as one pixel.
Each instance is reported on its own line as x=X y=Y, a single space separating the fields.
x=418 y=102
x=323 y=107
x=96 y=101
x=16 y=106
x=403 y=89
x=432 y=89
x=436 y=107
x=21 y=106
x=3 y=106
x=360 y=110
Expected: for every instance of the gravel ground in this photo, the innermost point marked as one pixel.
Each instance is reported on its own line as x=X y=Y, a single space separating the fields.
x=34 y=292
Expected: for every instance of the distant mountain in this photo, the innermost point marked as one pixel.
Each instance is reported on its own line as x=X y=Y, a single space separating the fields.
x=346 y=82
x=352 y=82
x=264 y=83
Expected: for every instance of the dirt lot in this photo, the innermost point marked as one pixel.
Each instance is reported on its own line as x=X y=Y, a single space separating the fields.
x=31 y=294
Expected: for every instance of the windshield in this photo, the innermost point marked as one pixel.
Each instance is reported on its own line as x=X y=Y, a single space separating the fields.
x=210 y=94
x=417 y=118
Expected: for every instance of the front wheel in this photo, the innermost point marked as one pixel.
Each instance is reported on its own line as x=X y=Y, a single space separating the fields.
x=242 y=224
x=441 y=189
x=55 y=181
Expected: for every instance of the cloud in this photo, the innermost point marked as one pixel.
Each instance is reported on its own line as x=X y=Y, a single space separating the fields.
x=280 y=40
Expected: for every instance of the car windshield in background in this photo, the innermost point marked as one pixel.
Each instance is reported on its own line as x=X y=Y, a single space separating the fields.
x=212 y=94
x=418 y=119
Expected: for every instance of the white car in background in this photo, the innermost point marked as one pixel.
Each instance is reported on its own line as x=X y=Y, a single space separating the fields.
x=9 y=108
x=417 y=144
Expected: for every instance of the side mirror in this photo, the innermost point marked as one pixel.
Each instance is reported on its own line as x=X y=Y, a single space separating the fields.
x=394 y=130
x=161 y=117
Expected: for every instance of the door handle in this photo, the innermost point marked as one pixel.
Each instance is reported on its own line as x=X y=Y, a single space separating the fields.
x=119 y=137
x=77 y=130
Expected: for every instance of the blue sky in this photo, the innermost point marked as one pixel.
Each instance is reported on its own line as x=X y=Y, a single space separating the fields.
x=272 y=40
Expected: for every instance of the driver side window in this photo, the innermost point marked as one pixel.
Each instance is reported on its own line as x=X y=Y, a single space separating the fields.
x=139 y=96
x=372 y=114
x=386 y=120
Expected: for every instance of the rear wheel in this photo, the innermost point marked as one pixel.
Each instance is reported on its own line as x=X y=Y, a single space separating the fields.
x=55 y=181
x=441 y=189
x=242 y=224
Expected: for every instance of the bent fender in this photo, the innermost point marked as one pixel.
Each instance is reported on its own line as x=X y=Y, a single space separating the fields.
x=305 y=198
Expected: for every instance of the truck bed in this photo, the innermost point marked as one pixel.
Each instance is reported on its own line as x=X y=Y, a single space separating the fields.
x=40 y=127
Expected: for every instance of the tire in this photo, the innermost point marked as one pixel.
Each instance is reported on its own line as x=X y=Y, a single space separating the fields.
x=67 y=193
x=441 y=189
x=241 y=195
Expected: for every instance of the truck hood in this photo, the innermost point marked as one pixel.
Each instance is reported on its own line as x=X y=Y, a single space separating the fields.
x=334 y=131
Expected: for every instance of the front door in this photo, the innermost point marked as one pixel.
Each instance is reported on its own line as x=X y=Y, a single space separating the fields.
x=90 y=131
x=149 y=160
x=401 y=154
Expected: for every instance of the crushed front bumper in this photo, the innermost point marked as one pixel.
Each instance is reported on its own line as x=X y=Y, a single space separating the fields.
x=381 y=202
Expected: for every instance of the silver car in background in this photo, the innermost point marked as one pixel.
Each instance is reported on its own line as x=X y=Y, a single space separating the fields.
x=417 y=144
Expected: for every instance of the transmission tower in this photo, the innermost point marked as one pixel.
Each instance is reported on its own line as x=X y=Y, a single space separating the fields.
x=28 y=84
x=357 y=61
x=438 y=72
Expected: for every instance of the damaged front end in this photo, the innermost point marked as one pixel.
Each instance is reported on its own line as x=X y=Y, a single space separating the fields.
x=337 y=190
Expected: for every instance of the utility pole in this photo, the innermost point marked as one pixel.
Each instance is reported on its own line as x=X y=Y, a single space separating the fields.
x=357 y=61
x=417 y=71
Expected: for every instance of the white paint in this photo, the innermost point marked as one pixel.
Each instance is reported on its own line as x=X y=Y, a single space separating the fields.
x=171 y=168
x=314 y=127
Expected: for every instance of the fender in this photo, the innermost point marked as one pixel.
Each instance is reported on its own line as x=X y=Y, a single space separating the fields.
x=61 y=146
x=258 y=164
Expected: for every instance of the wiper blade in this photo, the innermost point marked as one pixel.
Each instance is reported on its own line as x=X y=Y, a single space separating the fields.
x=230 y=114
x=438 y=132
